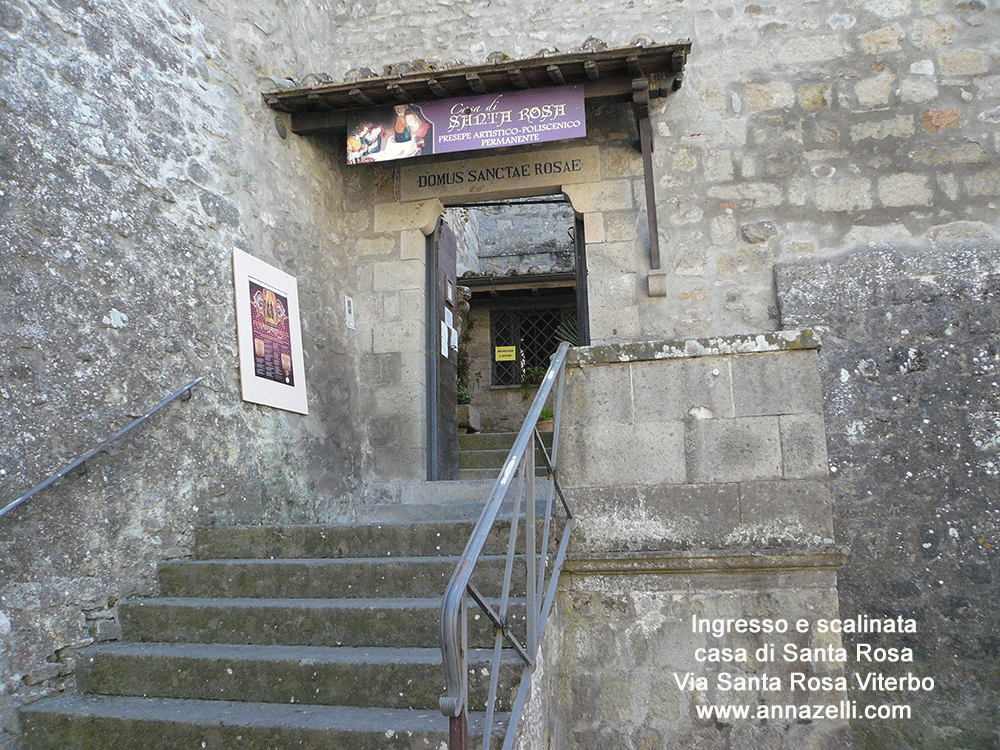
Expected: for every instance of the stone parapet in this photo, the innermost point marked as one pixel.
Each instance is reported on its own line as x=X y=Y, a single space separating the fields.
x=699 y=479
x=715 y=443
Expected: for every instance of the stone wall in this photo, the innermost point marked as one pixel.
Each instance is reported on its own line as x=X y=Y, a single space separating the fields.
x=800 y=130
x=697 y=471
x=135 y=154
x=464 y=222
x=525 y=236
x=910 y=368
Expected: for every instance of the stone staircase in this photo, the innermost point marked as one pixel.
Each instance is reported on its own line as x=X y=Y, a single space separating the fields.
x=269 y=638
x=481 y=454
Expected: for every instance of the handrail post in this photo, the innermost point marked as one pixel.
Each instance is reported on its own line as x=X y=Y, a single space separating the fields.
x=518 y=470
x=529 y=552
x=458 y=726
x=458 y=731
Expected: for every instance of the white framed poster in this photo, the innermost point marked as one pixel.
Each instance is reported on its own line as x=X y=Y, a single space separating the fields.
x=268 y=333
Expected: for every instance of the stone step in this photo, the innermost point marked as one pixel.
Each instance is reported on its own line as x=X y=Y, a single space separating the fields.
x=490 y=459
x=495 y=441
x=392 y=677
x=375 y=539
x=332 y=578
x=74 y=722
x=344 y=540
x=478 y=474
x=299 y=622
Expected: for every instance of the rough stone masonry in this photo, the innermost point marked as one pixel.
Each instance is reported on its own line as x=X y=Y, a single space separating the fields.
x=136 y=152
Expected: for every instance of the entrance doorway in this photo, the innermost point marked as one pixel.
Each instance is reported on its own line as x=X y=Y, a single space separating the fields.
x=521 y=282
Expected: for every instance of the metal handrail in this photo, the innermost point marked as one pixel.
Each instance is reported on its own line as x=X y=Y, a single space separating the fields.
x=102 y=446
x=454 y=647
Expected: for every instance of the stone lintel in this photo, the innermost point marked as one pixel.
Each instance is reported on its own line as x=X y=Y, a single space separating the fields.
x=714 y=346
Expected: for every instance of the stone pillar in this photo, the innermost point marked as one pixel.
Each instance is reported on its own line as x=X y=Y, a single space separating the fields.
x=698 y=472
x=394 y=332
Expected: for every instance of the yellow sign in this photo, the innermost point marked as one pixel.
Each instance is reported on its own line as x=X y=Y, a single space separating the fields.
x=506 y=353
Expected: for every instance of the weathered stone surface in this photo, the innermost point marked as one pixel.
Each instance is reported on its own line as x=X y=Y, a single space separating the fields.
x=775 y=95
x=908 y=370
x=917 y=90
x=609 y=454
x=803 y=446
x=875 y=91
x=657 y=517
x=964 y=62
x=960 y=153
x=905 y=190
x=640 y=622
x=986 y=182
x=935 y=120
x=812 y=49
x=778 y=383
x=732 y=450
x=758 y=231
x=844 y=195
x=899 y=126
x=775 y=341
x=886 y=39
x=815 y=97
x=928 y=33
x=752 y=193
x=786 y=513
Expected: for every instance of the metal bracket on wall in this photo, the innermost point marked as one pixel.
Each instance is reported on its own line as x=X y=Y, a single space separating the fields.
x=640 y=105
x=642 y=92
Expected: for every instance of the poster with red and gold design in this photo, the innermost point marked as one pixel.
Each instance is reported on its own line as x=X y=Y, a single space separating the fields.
x=270 y=339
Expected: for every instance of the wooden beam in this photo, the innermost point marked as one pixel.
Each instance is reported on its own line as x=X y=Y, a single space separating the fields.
x=556 y=75
x=518 y=79
x=438 y=90
x=360 y=97
x=397 y=91
x=605 y=90
x=677 y=61
x=476 y=83
x=309 y=123
x=627 y=63
x=525 y=302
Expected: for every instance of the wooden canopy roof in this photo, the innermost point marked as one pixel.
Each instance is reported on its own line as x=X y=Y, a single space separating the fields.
x=606 y=75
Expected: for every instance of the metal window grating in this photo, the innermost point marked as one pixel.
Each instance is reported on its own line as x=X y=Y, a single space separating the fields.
x=535 y=333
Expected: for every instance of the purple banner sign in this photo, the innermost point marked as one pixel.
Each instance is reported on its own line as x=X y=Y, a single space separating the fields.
x=466 y=124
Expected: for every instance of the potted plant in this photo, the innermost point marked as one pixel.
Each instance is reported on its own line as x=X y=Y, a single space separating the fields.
x=546 y=420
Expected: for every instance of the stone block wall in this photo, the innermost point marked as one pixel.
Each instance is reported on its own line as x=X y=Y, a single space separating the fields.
x=698 y=474
x=712 y=444
x=523 y=236
x=910 y=367
x=801 y=130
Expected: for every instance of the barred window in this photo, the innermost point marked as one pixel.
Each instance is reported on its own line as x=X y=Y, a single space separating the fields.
x=536 y=334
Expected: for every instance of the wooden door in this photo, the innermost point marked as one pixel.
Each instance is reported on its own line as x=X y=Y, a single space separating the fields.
x=442 y=355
